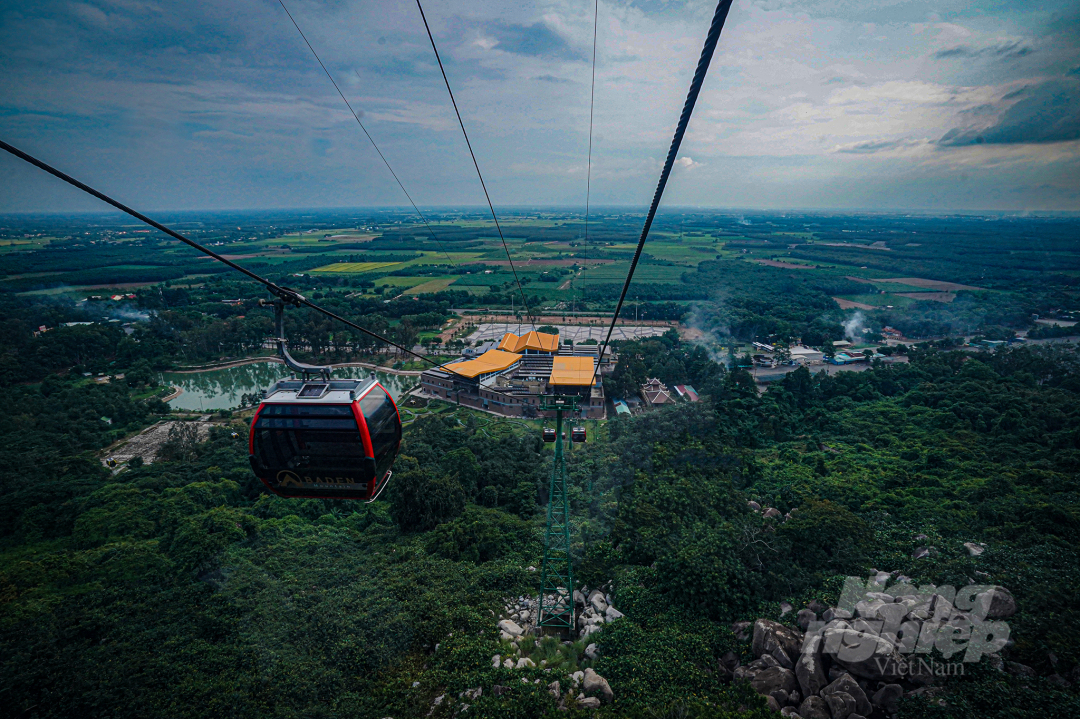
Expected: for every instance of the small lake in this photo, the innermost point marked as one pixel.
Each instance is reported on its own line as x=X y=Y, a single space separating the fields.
x=224 y=388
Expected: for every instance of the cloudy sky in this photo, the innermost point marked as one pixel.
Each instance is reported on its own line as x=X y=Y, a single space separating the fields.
x=881 y=104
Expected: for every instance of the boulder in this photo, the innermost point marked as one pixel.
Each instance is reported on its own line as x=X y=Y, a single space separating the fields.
x=921 y=552
x=785 y=607
x=577 y=676
x=754 y=506
x=816 y=607
x=814 y=708
x=835 y=613
x=524 y=662
x=611 y=614
x=496 y=661
x=773 y=678
x=771 y=512
x=974 y=550
x=804 y=617
x=789 y=712
x=510 y=627
x=741 y=630
x=769 y=635
x=809 y=670
x=730 y=660
x=590 y=651
x=888 y=698
x=865 y=655
x=997 y=603
x=780 y=696
x=772 y=704
x=508 y=663
x=597 y=602
x=847 y=685
x=841 y=704
x=579 y=598
x=1020 y=670
x=588 y=703
x=593 y=683
x=554 y=690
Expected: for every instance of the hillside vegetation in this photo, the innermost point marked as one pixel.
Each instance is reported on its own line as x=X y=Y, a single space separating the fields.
x=182 y=589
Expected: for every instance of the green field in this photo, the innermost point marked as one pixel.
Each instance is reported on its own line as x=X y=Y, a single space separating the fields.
x=355 y=267
x=431 y=286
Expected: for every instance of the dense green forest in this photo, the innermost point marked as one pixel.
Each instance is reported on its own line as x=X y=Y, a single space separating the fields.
x=182 y=588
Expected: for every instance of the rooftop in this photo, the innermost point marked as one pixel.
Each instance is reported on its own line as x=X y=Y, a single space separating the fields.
x=576 y=371
x=490 y=361
x=536 y=341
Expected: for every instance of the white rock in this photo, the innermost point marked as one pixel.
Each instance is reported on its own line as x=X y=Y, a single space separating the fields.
x=974 y=549
x=593 y=683
x=590 y=651
x=612 y=614
x=589 y=703
x=598 y=603
x=525 y=662
x=506 y=637
x=496 y=661
x=530 y=569
x=577 y=676
x=510 y=627
x=508 y=663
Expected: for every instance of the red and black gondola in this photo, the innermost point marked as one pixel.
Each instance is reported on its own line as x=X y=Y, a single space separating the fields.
x=577 y=434
x=330 y=439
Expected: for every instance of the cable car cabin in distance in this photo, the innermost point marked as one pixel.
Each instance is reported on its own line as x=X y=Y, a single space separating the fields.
x=577 y=434
x=549 y=434
x=329 y=439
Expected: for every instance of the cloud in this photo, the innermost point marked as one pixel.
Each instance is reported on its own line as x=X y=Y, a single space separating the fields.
x=1006 y=49
x=536 y=40
x=869 y=147
x=553 y=79
x=1045 y=113
x=687 y=163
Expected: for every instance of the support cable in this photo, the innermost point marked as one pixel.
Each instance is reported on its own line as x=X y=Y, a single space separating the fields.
x=475 y=164
x=684 y=119
x=588 y=176
x=288 y=295
x=361 y=124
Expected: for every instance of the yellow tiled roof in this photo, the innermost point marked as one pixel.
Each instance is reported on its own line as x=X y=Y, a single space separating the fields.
x=539 y=341
x=572 y=371
x=490 y=361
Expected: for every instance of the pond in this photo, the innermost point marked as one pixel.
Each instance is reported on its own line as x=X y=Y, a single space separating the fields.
x=224 y=388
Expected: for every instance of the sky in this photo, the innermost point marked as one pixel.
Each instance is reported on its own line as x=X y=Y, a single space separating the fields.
x=809 y=104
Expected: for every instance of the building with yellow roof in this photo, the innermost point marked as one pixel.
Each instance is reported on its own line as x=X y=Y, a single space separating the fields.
x=572 y=371
x=487 y=363
x=514 y=379
x=530 y=343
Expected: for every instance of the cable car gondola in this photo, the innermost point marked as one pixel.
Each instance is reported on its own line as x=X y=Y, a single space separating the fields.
x=549 y=434
x=317 y=437
x=577 y=434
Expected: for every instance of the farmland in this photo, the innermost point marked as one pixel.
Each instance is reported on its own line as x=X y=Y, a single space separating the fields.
x=943 y=274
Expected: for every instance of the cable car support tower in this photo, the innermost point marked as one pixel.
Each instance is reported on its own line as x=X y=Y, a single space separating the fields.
x=556 y=607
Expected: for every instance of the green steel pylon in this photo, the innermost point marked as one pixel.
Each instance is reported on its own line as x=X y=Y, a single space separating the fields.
x=556 y=576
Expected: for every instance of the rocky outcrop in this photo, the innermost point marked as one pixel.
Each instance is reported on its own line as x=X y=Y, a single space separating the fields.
x=863 y=656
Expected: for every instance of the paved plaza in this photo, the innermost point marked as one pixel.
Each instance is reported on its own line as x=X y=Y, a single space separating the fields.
x=573 y=332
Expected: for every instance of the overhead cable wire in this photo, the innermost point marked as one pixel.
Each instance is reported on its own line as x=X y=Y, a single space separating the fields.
x=368 y=134
x=711 y=39
x=472 y=154
x=588 y=175
x=284 y=293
